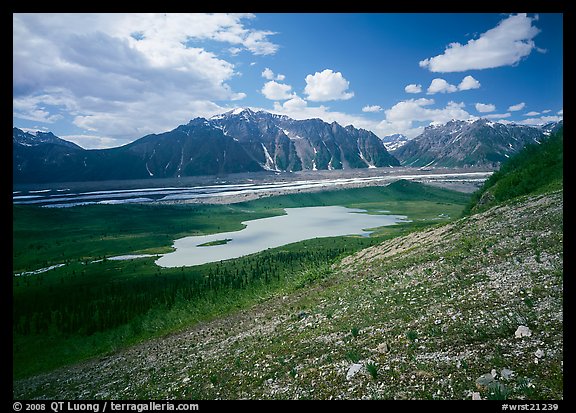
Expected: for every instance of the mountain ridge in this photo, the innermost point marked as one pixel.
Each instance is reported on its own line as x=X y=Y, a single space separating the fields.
x=244 y=140
x=462 y=143
x=236 y=141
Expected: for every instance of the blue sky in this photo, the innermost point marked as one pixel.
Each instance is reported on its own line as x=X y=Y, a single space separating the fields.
x=103 y=80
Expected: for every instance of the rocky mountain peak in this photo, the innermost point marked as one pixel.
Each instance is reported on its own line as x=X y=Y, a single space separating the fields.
x=465 y=143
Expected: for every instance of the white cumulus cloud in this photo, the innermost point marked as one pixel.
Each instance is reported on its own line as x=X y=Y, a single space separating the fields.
x=440 y=85
x=402 y=116
x=504 y=45
x=268 y=74
x=413 y=88
x=517 y=107
x=485 y=107
x=469 y=83
x=371 y=108
x=276 y=91
x=417 y=110
x=296 y=103
x=327 y=85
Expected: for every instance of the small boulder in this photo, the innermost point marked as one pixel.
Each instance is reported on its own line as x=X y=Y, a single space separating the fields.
x=382 y=348
x=539 y=353
x=352 y=370
x=484 y=381
x=476 y=395
x=522 y=331
x=506 y=374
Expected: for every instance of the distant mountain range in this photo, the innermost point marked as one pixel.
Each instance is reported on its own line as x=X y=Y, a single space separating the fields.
x=460 y=143
x=243 y=140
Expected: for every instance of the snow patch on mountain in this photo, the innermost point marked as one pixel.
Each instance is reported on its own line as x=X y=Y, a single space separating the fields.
x=269 y=165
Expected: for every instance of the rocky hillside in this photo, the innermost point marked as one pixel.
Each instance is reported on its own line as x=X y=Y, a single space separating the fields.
x=471 y=309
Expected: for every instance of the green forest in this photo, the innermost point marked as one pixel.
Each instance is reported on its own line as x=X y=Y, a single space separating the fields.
x=537 y=168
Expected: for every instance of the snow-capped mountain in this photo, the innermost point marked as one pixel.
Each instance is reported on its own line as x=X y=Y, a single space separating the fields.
x=243 y=140
x=480 y=143
x=395 y=141
x=236 y=141
x=20 y=137
x=551 y=127
x=43 y=157
x=283 y=144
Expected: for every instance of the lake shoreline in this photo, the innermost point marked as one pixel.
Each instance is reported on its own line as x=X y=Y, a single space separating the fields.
x=298 y=224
